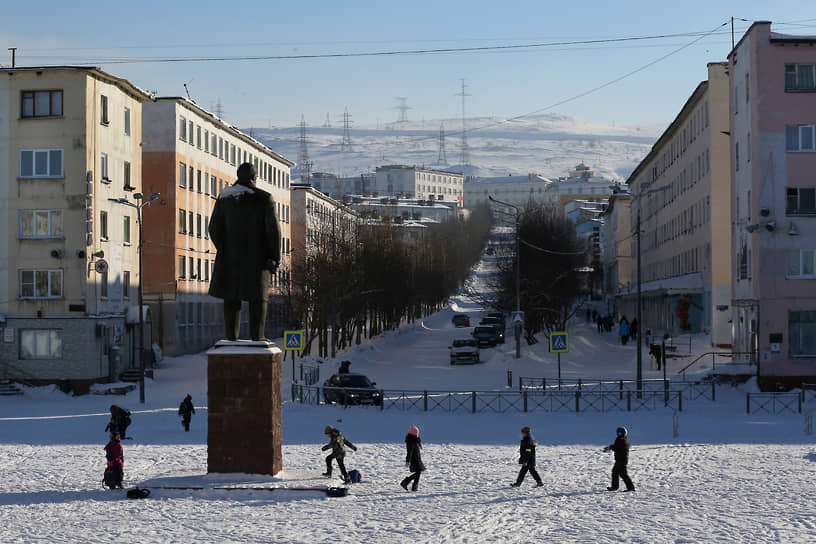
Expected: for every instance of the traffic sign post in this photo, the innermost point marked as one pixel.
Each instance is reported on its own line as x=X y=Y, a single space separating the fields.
x=293 y=340
x=559 y=343
x=517 y=317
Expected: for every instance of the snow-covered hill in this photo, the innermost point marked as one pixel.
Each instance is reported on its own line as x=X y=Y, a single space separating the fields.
x=546 y=144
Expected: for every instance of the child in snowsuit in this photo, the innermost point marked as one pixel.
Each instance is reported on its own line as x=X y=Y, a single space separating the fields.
x=621 y=449
x=119 y=421
x=337 y=443
x=186 y=411
x=527 y=458
x=413 y=458
x=116 y=463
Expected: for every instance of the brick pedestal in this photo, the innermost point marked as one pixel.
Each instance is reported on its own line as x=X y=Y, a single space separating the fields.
x=244 y=405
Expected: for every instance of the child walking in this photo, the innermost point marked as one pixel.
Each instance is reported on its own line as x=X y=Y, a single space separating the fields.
x=621 y=449
x=527 y=458
x=186 y=411
x=413 y=458
x=116 y=463
x=337 y=443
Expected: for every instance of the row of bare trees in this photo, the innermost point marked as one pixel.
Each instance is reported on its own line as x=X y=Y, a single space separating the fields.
x=360 y=278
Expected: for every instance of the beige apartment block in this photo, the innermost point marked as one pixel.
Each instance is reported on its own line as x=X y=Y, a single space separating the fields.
x=682 y=189
x=616 y=247
x=190 y=156
x=69 y=141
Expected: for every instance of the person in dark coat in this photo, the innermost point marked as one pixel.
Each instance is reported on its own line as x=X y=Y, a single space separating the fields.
x=246 y=234
x=413 y=458
x=186 y=411
x=344 y=367
x=621 y=449
x=527 y=458
x=115 y=470
x=633 y=329
x=119 y=421
x=337 y=443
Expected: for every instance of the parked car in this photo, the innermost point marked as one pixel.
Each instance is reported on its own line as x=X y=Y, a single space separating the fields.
x=351 y=389
x=495 y=322
x=486 y=335
x=497 y=315
x=461 y=320
x=464 y=351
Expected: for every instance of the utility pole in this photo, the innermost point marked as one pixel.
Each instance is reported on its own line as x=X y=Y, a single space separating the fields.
x=304 y=164
x=639 y=317
x=13 y=56
x=464 y=143
x=345 y=145
x=443 y=158
x=403 y=108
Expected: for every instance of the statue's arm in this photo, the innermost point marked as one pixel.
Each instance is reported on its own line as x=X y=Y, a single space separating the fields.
x=216 y=226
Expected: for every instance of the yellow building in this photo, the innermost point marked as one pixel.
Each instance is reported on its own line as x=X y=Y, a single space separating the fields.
x=69 y=141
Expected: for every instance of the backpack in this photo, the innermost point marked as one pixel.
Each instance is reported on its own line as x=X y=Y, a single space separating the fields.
x=137 y=493
x=354 y=476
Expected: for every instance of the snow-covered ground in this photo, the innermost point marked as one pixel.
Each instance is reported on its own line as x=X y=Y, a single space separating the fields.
x=727 y=477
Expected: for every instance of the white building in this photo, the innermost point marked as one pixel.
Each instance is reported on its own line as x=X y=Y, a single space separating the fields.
x=516 y=190
x=419 y=182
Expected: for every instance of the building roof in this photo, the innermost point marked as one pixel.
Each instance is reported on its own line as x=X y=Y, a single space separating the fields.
x=122 y=83
x=510 y=179
x=414 y=167
x=776 y=37
x=223 y=124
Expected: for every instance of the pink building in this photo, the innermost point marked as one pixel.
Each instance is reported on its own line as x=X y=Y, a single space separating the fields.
x=773 y=158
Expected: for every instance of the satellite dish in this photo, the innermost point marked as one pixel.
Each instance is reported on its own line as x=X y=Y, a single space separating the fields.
x=101 y=266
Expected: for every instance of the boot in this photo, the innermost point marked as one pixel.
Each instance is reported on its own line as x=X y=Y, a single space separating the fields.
x=327 y=474
x=404 y=484
x=515 y=484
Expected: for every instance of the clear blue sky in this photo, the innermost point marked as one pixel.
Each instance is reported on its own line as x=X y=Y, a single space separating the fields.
x=263 y=93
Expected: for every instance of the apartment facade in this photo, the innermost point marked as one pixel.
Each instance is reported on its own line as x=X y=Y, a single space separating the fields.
x=419 y=182
x=682 y=192
x=190 y=156
x=616 y=249
x=517 y=190
x=69 y=143
x=773 y=150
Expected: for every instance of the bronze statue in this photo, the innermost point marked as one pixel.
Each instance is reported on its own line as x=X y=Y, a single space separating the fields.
x=245 y=232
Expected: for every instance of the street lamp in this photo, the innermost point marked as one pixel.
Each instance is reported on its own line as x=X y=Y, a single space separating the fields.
x=640 y=195
x=140 y=203
x=517 y=326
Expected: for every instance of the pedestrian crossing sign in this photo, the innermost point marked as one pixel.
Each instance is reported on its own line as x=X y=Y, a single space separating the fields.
x=293 y=340
x=559 y=342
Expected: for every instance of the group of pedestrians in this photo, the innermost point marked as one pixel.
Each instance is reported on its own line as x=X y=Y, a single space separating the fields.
x=527 y=457
x=117 y=426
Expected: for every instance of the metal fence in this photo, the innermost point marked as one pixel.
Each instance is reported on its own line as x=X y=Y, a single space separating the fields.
x=691 y=390
x=774 y=403
x=309 y=375
x=500 y=401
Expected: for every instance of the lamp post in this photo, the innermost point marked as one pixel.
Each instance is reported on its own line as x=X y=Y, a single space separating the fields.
x=517 y=326
x=140 y=203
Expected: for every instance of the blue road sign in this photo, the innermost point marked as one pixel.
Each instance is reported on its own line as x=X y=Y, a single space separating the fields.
x=293 y=340
x=559 y=342
x=517 y=317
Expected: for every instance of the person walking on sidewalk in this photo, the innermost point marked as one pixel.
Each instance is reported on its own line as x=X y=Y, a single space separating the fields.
x=527 y=458
x=413 y=458
x=621 y=448
x=337 y=443
x=186 y=411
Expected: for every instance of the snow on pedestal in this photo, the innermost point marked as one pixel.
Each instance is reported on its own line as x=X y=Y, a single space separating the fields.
x=244 y=399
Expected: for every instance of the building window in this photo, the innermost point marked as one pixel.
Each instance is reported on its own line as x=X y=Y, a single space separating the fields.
x=206 y=183
x=103 y=225
x=126 y=284
x=126 y=229
x=199 y=277
x=800 y=138
x=191 y=131
x=190 y=230
x=40 y=223
x=206 y=227
x=214 y=145
x=213 y=186
x=182 y=129
x=41 y=163
x=198 y=225
x=103 y=284
x=126 y=175
x=191 y=263
x=182 y=272
x=802 y=333
x=198 y=137
x=206 y=270
x=41 y=104
x=232 y=154
x=800 y=201
x=40 y=283
x=198 y=180
x=192 y=178
x=41 y=344
x=206 y=141
x=800 y=263
x=220 y=148
x=182 y=221
x=182 y=175
x=800 y=77
x=103 y=110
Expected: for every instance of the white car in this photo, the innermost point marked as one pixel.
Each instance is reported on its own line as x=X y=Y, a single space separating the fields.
x=464 y=351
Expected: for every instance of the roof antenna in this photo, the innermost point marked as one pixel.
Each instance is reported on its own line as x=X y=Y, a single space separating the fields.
x=187 y=90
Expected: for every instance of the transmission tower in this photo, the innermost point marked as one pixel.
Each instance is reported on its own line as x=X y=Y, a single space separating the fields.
x=464 y=143
x=403 y=108
x=304 y=164
x=345 y=145
x=327 y=122
x=443 y=158
x=218 y=109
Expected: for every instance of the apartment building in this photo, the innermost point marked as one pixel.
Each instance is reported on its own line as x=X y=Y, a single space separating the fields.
x=517 y=190
x=190 y=155
x=616 y=248
x=69 y=143
x=681 y=191
x=772 y=123
x=419 y=182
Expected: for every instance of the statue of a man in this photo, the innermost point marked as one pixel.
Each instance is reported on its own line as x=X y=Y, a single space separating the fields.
x=245 y=232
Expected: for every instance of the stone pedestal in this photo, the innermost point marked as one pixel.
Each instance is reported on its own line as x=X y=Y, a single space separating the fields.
x=244 y=405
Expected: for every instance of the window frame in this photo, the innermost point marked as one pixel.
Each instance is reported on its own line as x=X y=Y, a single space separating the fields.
x=51 y=222
x=798 y=210
x=48 y=168
x=799 y=128
x=50 y=272
x=125 y=284
x=104 y=168
x=182 y=174
x=55 y=349
x=126 y=230
x=795 y=87
x=104 y=232
x=104 y=119
x=800 y=255
x=126 y=171
x=126 y=116
x=182 y=217
x=794 y=351
x=33 y=97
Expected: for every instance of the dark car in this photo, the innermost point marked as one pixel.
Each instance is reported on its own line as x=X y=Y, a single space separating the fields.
x=495 y=322
x=461 y=320
x=486 y=335
x=497 y=315
x=351 y=389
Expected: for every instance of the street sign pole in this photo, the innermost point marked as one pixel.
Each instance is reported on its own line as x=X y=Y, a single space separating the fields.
x=559 y=370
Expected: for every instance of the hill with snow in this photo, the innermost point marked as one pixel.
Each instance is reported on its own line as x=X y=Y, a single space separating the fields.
x=546 y=144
